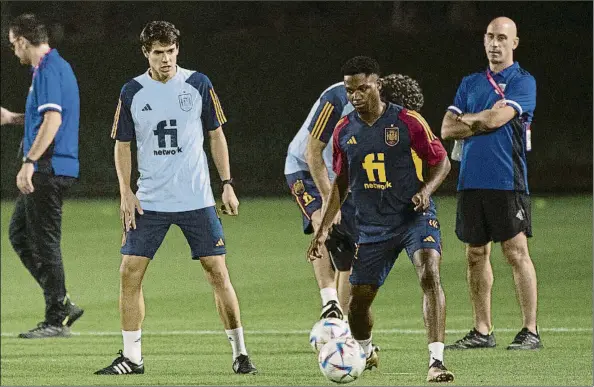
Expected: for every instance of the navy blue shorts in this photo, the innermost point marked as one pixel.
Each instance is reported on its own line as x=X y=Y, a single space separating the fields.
x=202 y=228
x=373 y=261
x=309 y=200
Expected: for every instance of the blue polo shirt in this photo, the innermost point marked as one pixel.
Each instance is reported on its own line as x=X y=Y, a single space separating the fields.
x=496 y=160
x=54 y=87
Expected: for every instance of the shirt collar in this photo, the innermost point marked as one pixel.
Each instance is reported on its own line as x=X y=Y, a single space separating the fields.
x=51 y=52
x=505 y=72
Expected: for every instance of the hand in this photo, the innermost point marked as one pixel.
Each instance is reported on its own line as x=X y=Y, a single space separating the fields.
x=315 y=248
x=6 y=116
x=128 y=207
x=421 y=200
x=500 y=104
x=230 y=202
x=24 y=179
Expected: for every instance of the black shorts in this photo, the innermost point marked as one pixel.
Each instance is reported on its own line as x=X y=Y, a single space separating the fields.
x=485 y=215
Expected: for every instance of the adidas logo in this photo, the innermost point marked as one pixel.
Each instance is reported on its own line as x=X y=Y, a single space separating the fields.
x=220 y=243
x=520 y=215
x=429 y=239
x=146 y=107
x=352 y=141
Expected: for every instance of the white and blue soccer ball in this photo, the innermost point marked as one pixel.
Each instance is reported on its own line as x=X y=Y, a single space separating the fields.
x=327 y=329
x=342 y=360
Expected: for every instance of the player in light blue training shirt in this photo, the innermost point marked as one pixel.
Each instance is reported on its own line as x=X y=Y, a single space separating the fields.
x=168 y=111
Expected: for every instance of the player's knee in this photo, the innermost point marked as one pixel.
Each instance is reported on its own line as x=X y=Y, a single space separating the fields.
x=429 y=278
x=361 y=298
x=428 y=269
x=218 y=278
x=216 y=271
x=131 y=271
x=18 y=239
x=476 y=255
x=17 y=243
x=516 y=255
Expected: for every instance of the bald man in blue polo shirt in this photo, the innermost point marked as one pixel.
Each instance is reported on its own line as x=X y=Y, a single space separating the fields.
x=490 y=119
x=50 y=166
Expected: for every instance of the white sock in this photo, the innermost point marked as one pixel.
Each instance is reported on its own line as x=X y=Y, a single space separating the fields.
x=132 y=345
x=235 y=337
x=435 y=352
x=328 y=294
x=366 y=344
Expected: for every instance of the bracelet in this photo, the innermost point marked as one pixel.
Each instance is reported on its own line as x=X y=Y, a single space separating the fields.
x=27 y=160
x=228 y=181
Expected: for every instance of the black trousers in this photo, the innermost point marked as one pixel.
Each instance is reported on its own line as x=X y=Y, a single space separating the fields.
x=35 y=232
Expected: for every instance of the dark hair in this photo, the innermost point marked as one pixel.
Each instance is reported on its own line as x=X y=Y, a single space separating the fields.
x=361 y=65
x=402 y=90
x=29 y=27
x=159 y=31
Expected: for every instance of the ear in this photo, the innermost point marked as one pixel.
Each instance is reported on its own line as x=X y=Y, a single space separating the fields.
x=380 y=82
x=145 y=53
x=516 y=43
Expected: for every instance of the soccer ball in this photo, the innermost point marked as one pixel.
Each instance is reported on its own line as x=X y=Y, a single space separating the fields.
x=342 y=360
x=327 y=329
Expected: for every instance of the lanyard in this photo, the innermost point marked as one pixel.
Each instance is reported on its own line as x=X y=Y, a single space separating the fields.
x=495 y=85
x=502 y=95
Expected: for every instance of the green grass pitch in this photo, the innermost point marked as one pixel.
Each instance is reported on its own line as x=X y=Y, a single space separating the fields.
x=184 y=342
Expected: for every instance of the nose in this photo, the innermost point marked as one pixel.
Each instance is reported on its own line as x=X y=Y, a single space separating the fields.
x=165 y=58
x=357 y=96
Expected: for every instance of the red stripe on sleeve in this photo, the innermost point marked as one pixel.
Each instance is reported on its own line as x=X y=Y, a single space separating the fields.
x=433 y=151
x=339 y=159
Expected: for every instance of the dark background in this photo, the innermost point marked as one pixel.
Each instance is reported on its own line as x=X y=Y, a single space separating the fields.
x=269 y=61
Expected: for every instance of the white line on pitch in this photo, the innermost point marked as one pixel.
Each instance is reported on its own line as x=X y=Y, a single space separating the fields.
x=301 y=332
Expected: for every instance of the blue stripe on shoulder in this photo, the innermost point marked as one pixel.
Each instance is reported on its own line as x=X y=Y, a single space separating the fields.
x=129 y=91
x=336 y=96
x=199 y=81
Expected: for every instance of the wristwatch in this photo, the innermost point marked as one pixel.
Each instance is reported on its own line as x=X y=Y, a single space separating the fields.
x=228 y=181
x=27 y=160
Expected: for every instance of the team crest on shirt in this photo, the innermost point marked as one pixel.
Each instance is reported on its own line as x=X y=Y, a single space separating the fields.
x=298 y=187
x=392 y=135
x=185 y=101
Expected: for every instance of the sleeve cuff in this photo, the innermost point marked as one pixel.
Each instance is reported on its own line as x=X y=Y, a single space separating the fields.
x=49 y=106
x=515 y=105
x=454 y=109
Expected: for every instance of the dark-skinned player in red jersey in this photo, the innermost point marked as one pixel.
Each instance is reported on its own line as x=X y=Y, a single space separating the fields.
x=379 y=150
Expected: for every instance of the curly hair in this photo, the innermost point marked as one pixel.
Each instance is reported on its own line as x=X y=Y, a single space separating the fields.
x=402 y=90
x=160 y=31
x=30 y=27
x=361 y=65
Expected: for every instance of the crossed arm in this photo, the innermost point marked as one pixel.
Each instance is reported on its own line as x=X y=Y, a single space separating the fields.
x=458 y=127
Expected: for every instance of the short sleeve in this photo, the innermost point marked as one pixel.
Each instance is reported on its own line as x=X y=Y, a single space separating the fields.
x=48 y=88
x=459 y=105
x=339 y=158
x=212 y=112
x=123 y=123
x=325 y=119
x=521 y=95
x=422 y=140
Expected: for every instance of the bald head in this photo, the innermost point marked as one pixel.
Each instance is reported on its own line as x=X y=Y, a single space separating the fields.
x=504 y=24
x=501 y=39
